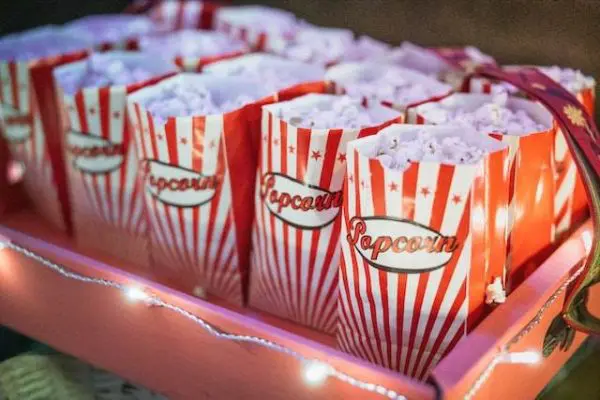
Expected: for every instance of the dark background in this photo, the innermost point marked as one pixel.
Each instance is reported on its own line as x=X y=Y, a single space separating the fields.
x=550 y=32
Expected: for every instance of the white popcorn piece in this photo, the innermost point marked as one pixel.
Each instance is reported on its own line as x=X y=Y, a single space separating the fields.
x=109 y=69
x=189 y=43
x=41 y=42
x=398 y=86
x=325 y=111
x=495 y=293
x=273 y=72
x=483 y=113
x=111 y=28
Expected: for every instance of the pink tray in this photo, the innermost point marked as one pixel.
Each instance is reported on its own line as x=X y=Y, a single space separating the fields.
x=165 y=352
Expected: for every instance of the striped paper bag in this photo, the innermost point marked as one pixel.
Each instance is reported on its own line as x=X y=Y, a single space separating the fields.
x=296 y=234
x=531 y=170
x=32 y=129
x=570 y=201
x=101 y=163
x=198 y=174
x=419 y=248
x=263 y=28
x=173 y=15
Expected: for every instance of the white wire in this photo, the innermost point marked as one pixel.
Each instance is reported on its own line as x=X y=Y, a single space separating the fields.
x=154 y=300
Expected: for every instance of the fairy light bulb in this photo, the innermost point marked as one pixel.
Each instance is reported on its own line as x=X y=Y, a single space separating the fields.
x=523 y=357
x=316 y=372
x=135 y=294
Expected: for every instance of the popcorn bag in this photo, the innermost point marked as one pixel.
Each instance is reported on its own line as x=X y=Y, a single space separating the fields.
x=393 y=86
x=528 y=130
x=423 y=242
x=298 y=200
x=263 y=28
x=30 y=113
x=198 y=171
x=101 y=164
x=174 y=15
x=112 y=31
x=570 y=204
x=192 y=50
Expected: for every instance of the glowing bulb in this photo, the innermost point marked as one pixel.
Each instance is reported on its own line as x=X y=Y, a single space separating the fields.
x=2 y=245
x=524 y=357
x=316 y=372
x=135 y=294
x=586 y=238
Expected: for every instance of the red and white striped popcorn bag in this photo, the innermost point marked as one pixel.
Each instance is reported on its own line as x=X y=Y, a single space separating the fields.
x=198 y=174
x=193 y=50
x=32 y=127
x=420 y=247
x=570 y=201
x=101 y=160
x=343 y=79
x=263 y=28
x=295 y=250
x=173 y=15
x=531 y=171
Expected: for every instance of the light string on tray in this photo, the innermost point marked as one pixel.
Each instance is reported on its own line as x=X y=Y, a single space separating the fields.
x=314 y=371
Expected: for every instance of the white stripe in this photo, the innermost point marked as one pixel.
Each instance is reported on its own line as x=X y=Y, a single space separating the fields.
x=566 y=189
x=292 y=135
x=191 y=16
x=23 y=86
x=6 y=83
x=117 y=102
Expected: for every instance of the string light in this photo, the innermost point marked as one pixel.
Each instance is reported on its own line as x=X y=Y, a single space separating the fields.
x=523 y=357
x=314 y=371
x=135 y=294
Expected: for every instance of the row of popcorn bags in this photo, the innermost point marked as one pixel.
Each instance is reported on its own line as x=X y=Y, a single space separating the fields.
x=199 y=170
x=527 y=127
x=31 y=123
x=101 y=162
x=570 y=202
x=298 y=197
x=423 y=242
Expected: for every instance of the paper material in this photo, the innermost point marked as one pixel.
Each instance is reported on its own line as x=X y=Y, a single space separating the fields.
x=419 y=247
x=198 y=179
x=531 y=169
x=295 y=249
x=101 y=164
x=112 y=31
x=29 y=113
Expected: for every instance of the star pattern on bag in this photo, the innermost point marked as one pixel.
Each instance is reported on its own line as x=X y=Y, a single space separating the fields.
x=342 y=157
x=275 y=142
x=92 y=111
x=116 y=115
x=425 y=191
x=183 y=140
x=456 y=199
x=291 y=149
x=316 y=154
x=393 y=187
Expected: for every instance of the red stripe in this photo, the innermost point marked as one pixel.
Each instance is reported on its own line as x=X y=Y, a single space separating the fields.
x=379 y=208
x=449 y=271
x=14 y=84
x=409 y=190
x=105 y=114
x=441 y=196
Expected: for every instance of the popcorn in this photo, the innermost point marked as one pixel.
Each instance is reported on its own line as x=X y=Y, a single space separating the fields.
x=397 y=86
x=493 y=116
x=177 y=99
x=398 y=155
x=339 y=112
x=41 y=42
x=111 y=28
x=273 y=72
x=252 y=21
x=424 y=60
x=108 y=69
x=188 y=43
x=326 y=46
